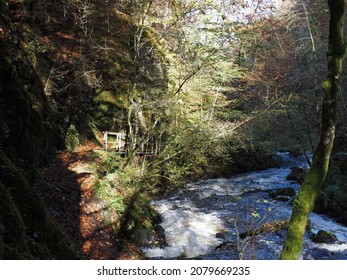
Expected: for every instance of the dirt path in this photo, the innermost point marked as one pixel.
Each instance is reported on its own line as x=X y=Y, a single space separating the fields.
x=68 y=191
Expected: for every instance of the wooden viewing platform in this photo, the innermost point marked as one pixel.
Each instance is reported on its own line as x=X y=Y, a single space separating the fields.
x=118 y=144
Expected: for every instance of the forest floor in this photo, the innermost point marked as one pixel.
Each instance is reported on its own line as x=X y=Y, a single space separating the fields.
x=68 y=191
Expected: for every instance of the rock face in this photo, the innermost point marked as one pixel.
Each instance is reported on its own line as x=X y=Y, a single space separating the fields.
x=324 y=237
x=26 y=141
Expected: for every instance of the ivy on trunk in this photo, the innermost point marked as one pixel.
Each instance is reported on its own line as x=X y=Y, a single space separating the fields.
x=310 y=188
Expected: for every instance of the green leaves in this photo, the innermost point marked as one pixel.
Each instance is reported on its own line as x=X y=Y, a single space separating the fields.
x=255 y=214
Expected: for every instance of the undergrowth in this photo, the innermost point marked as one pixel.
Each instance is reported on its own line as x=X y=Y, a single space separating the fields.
x=125 y=193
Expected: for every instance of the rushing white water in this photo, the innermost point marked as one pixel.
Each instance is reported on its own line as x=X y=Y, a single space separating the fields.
x=205 y=215
x=188 y=232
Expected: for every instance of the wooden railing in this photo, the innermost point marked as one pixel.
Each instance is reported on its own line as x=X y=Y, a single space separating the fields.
x=118 y=143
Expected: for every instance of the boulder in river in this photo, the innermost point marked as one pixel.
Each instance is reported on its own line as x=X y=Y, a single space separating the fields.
x=283 y=194
x=296 y=174
x=323 y=236
x=226 y=246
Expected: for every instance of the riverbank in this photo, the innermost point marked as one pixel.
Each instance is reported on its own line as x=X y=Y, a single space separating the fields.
x=103 y=209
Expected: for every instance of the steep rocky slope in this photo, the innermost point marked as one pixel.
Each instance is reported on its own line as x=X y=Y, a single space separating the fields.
x=61 y=81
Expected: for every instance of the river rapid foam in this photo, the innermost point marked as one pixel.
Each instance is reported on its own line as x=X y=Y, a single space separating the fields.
x=202 y=220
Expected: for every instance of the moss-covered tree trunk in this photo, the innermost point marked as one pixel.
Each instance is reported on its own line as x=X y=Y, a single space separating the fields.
x=309 y=190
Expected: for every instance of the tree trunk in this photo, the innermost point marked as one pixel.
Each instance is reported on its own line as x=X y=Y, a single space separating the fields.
x=309 y=190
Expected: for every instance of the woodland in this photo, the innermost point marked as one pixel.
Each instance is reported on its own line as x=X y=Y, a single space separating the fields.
x=187 y=91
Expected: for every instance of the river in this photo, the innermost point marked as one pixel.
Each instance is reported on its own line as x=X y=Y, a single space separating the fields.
x=204 y=219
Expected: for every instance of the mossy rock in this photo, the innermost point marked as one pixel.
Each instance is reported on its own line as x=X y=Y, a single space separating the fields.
x=140 y=222
x=323 y=236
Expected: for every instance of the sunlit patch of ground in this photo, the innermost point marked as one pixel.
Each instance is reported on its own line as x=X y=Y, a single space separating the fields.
x=68 y=190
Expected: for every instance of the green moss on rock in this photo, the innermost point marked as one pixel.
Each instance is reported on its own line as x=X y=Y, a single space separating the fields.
x=323 y=236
